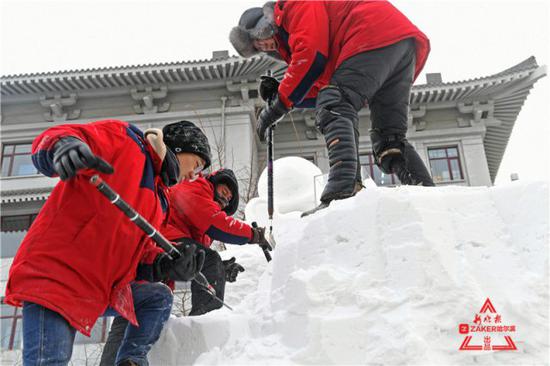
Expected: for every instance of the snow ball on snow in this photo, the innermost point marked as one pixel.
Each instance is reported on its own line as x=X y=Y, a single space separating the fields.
x=293 y=182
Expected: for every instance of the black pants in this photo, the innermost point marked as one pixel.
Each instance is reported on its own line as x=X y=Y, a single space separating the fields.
x=383 y=78
x=214 y=271
x=116 y=334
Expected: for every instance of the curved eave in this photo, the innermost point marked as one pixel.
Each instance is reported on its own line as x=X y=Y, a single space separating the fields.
x=506 y=109
x=127 y=77
x=508 y=90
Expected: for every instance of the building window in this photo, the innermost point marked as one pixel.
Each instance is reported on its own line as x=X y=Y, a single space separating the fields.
x=10 y=327
x=14 y=229
x=17 y=222
x=16 y=160
x=445 y=164
x=381 y=179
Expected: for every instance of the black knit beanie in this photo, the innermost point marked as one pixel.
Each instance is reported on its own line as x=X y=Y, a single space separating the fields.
x=184 y=136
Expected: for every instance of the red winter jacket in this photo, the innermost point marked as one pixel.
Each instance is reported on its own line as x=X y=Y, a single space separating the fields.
x=195 y=214
x=81 y=252
x=315 y=37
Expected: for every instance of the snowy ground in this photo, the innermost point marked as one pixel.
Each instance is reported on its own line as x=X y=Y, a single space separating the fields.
x=385 y=277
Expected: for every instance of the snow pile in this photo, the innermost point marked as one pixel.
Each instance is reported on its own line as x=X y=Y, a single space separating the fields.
x=385 y=277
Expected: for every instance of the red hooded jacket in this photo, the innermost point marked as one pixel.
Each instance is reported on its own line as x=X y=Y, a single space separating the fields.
x=81 y=252
x=195 y=214
x=315 y=37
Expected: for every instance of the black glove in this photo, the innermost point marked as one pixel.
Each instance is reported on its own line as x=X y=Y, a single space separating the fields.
x=258 y=237
x=273 y=111
x=232 y=269
x=269 y=86
x=71 y=155
x=183 y=268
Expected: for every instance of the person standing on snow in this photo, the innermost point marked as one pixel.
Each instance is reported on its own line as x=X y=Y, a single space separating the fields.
x=79 y=258
x=200 y=212
x=341 y=55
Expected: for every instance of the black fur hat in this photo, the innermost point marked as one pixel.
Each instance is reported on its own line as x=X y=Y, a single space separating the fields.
x=255 y=23
x=226 y=176
x=184 y=136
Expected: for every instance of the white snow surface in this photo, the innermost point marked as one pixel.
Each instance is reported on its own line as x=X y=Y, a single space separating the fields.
x=384 y=277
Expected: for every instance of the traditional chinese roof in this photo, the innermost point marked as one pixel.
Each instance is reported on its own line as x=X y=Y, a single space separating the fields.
x=218 y=68
x=507 y=89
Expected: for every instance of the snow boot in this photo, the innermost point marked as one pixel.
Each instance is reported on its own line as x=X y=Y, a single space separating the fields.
x=312 y=211
x=324 y=204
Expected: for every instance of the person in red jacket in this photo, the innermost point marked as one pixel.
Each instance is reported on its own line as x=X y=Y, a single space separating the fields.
x=341 y=55
x=79 y=258
x=202 y=213
x=201 y=210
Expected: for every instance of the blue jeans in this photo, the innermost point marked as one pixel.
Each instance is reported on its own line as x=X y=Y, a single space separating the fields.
x=48 y=338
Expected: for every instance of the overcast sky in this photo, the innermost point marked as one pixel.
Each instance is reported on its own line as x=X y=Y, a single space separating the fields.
x=468 y=38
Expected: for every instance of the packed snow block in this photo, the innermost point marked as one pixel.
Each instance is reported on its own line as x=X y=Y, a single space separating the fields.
x=386 y=277
x=528 y=223
x=183 y=340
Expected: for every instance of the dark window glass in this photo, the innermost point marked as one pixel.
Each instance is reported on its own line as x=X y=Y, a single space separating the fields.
x=445 y=164
x=8 y=149
x=17 y=222
x=23 y=148
x=14 y=229
x=5 y=168
x=17 y=161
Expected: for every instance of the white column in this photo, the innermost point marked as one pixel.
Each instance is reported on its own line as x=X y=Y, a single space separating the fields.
x=475 y=162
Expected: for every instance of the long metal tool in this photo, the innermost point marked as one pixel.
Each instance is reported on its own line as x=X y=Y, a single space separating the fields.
x=270 y=206
x=270 y=195
x=150 y=231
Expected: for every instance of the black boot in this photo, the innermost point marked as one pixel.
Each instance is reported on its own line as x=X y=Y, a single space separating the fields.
x=416 y=168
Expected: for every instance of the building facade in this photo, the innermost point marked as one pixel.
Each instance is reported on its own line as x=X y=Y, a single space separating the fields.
x=460 y=129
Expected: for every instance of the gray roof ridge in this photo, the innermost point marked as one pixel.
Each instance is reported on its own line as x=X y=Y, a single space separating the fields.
x=529 y=63
x=201 y=62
